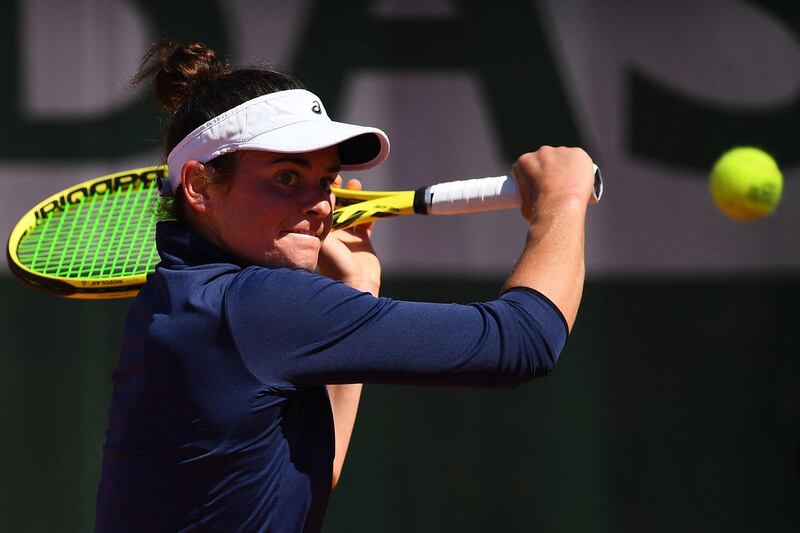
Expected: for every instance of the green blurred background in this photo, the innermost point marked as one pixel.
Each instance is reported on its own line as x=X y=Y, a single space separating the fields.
x=675 y=407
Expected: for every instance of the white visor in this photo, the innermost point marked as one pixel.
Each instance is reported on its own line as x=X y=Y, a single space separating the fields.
x=291 y=121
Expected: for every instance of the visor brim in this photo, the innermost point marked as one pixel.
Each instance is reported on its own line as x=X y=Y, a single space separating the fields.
x=360 y=147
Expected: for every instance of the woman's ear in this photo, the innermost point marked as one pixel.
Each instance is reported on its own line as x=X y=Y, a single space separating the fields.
x=195 y=182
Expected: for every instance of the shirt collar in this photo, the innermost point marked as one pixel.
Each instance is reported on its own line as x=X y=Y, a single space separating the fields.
x=179 y=245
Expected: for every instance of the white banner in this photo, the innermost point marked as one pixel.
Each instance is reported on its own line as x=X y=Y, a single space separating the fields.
x=727 y=58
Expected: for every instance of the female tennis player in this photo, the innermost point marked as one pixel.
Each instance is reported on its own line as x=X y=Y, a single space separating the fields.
x=235 y=394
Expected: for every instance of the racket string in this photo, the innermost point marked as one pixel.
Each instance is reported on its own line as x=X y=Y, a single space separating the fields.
x=119 y=243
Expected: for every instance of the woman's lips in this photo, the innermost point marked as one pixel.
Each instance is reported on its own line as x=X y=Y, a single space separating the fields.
x=306 y=232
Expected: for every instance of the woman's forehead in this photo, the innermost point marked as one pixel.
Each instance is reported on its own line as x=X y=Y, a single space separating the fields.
x=326 y=158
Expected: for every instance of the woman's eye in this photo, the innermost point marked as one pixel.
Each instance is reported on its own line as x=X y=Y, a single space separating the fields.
x=286 y=178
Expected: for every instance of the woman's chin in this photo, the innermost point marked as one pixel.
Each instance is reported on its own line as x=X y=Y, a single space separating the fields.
x=305 y=258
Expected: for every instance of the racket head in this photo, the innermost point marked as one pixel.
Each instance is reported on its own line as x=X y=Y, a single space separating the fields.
x=94 y=240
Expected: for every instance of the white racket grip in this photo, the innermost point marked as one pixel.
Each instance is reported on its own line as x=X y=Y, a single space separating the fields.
x=482 y=194
x=470 y=196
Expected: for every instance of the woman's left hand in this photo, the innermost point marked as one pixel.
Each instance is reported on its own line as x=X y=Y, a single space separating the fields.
x=347 y=255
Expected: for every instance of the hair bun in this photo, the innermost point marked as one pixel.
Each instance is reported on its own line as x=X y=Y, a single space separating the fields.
x=178 y=71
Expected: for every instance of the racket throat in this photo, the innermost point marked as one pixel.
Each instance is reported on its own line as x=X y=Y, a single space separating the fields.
x=423 y=197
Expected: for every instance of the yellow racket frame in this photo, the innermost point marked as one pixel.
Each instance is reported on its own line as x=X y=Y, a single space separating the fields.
x=353 y=207
x=93 y=288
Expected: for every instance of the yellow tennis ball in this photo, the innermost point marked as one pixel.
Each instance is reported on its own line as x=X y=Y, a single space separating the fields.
x=746 y=183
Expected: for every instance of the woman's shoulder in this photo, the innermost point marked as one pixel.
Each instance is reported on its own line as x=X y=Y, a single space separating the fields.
x=285 y=288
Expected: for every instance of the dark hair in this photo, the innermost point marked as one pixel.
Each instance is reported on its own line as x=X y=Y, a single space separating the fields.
x=193 y=86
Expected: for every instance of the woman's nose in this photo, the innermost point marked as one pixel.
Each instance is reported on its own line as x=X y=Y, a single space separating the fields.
x=318 y=202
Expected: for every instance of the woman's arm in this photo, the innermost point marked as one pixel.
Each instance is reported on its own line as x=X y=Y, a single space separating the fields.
x=556 y=187
x=352 y=337
x=333 y=334
x=348 y=256
x=344 y=404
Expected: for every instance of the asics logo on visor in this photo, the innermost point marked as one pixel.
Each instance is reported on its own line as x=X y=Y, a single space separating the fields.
x=316 y=108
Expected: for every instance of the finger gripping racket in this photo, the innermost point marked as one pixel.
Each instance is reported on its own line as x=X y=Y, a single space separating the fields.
x=96 y=240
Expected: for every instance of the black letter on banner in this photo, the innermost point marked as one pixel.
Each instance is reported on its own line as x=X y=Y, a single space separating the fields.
x=122 y=131
x=675 y=128
x=501 y=42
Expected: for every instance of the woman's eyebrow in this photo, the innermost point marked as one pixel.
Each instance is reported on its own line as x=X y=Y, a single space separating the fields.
x=293 y=159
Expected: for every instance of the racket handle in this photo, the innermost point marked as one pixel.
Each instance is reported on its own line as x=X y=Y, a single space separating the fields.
x=479 y=194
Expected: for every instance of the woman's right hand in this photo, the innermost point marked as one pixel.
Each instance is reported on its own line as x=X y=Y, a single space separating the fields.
x=551 y=175
x=348 y=255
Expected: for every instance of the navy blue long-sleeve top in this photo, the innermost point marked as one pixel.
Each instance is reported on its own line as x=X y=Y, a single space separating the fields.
x=220 y=418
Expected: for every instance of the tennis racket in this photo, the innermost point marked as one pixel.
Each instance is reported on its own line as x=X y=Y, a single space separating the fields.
x=96 y=240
